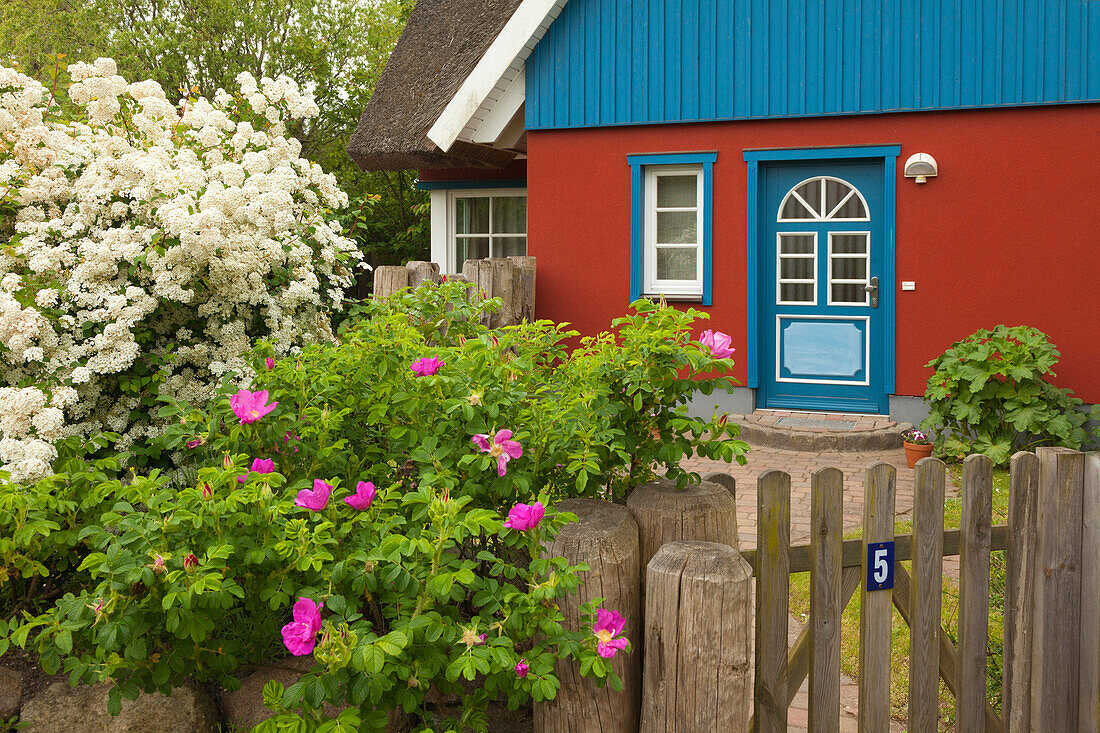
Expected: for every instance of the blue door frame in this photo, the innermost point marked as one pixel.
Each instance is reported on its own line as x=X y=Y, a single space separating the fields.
x=768 y=365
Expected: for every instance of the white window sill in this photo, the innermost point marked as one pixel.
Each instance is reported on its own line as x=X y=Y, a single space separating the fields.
x=675 y=297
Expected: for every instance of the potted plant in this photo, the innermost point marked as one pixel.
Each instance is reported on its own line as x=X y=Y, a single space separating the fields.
x=917 y=446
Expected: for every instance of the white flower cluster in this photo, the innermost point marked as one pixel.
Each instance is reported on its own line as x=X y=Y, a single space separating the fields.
x=154 y=242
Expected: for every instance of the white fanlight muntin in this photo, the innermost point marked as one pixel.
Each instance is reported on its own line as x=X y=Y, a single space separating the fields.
x=921 y=166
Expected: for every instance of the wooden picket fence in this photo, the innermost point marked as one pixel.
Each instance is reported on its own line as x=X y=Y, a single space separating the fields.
x=1052 y=598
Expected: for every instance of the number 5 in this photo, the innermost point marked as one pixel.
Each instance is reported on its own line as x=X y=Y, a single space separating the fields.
x=880 y=565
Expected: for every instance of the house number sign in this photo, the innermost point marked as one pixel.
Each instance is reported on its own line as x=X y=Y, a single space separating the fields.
x=880 y=565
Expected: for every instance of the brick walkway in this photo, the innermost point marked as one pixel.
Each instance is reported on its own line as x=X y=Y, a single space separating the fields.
x=800 y=465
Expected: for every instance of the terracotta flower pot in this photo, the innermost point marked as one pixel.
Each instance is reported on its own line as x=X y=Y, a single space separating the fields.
x=915 y=452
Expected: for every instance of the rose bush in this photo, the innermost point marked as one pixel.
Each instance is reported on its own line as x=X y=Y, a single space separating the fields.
x=144 y=246
x=406 y=507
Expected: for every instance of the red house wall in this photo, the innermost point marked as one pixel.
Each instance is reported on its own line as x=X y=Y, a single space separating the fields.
x=1007 y=233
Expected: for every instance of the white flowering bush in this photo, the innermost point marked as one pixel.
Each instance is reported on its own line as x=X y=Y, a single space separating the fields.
x=144 y=246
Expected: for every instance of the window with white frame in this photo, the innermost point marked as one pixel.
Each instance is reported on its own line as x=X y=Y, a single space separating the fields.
x=674 y=209
x=486 y=223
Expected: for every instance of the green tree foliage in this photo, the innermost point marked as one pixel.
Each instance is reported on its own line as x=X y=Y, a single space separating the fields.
x=334 y=49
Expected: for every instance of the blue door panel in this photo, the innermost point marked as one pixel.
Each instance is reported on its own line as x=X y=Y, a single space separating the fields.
x=821 y=339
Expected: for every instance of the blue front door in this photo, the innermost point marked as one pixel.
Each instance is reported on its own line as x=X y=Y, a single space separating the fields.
x=821 y=294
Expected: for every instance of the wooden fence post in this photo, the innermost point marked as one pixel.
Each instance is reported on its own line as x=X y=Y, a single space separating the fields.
x=927 y=596
x=698 y=616
x=605 y=537
x=977 y=521
x=1056 y=644
x=703 y=511
x=773 y=580
x=724 y=479
x=388 y=279
x=879 y=485
x=826 y=602
x=512 y=280
x=1090 y=598
x=422 y=272
x=1023 y=495
x=524 y=282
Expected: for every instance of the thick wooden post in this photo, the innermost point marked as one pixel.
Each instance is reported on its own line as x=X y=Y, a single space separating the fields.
x=773 y=583
x=1023 y=495
x=703 y=511
x=879 y=485
x=1090 y=598
x=525 y=288
x=977 y=521
x=422 y=272
x=698 y=621
x=512 y=279
x=388 y=279
x=826 y=601
x=1056 y=644
x=927 y=595
x=480 y=275
x=605 y=537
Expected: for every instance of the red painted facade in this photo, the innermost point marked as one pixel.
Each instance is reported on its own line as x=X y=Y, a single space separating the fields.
x=1006 y=233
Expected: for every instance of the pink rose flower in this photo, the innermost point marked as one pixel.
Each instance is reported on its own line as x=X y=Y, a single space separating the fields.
x=523 y=517
x=609 y=624
x=250 y=406
x=190 y=562
x=269 y=363
x=521 y=668
x=718 y=343
x=314 y=500
x=363 y=496
x=426 y=366
x=503 y=448
x=299 y=636
x=191 y=444
x=259 y=465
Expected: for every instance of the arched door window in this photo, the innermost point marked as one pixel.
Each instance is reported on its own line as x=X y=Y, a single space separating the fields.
x=823 y=198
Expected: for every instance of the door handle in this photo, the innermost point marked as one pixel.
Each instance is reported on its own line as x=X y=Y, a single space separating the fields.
x=872 y=288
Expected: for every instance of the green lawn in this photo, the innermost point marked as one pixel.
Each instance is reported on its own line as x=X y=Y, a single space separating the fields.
x=899 y=674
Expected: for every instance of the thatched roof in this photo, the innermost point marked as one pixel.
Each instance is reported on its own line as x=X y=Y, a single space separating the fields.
x=442 y=43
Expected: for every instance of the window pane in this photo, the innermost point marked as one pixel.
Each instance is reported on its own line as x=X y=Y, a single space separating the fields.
x=509 y=246
x=791 y=244
x=794 y=209
x=849 y=244
x=470 y=248
x=811 y=192
x=676 y=227
x=796 y=292
x=676 y=263
x=676 y=191
x=849 y=293
x=472 y=215
x=849 y=268
x=510 y=215
x=853 y=208
x=796 y=268
x=835 y=191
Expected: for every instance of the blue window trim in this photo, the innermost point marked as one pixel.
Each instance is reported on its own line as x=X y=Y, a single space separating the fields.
x=441 y=185
x=889 y=155
x=637 y=213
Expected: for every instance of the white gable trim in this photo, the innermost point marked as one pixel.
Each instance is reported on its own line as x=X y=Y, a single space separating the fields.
x=499 y=115
x=503 y=60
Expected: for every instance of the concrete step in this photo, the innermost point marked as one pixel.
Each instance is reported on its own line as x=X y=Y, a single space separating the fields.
x=820 y=431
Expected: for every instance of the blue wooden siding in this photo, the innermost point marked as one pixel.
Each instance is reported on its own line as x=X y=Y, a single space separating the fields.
x=609 y=62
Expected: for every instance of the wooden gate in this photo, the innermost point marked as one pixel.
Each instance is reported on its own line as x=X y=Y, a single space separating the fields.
x=1051 y=663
